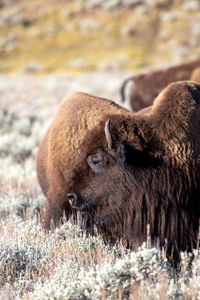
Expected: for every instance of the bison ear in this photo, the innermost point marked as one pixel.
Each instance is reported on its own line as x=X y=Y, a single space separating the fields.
x=131 y=139
x=126 y=129
x=175 y=111
x=174 y=117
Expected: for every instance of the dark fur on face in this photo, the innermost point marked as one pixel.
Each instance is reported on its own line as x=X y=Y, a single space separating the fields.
x=152 y=175
x=124 y=200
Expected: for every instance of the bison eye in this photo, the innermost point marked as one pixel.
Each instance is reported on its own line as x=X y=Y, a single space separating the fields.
x=96 y=162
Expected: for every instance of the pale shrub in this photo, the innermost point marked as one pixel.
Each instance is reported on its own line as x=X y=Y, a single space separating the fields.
x=18 y=186
x=72 y=282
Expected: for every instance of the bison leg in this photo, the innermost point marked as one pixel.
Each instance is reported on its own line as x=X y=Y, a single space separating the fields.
x=56 y=207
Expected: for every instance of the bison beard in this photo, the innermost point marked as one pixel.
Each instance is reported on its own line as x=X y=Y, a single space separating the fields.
x=124 y=200
x=155 y=179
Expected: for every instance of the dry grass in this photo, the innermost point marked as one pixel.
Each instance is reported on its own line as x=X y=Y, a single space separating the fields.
x=67 y=264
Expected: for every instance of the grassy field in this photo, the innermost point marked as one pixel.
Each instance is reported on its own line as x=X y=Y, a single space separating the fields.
x=65 y=263
x=96 y=48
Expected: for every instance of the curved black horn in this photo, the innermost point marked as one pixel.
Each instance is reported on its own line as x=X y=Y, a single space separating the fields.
x=108 y=134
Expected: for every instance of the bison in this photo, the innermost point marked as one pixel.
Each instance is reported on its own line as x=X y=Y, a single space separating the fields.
x=59 y=150
x=145 y=170
x=146 y=86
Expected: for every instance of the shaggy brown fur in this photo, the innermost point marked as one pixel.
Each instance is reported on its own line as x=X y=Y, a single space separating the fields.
x=146 y=86
x=60 y=150
x=153 y=176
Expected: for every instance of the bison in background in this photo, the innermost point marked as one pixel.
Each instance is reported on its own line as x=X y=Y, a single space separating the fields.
x=60 y=150
x=146 y=170
x=146 y=86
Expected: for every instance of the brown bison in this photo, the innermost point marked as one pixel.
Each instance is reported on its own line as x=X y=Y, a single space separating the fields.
x=59 y=150
x=146 y=170
x=146 y=86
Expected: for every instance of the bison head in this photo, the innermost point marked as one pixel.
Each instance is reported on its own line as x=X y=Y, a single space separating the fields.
x=146 y=171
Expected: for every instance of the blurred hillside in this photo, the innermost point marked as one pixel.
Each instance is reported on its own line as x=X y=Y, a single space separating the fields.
x=42 y=36
x=95 y=44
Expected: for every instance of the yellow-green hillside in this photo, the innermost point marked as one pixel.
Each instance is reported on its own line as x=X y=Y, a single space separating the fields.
x=48 y=36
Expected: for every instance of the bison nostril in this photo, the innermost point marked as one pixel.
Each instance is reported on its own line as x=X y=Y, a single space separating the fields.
x=72 y=197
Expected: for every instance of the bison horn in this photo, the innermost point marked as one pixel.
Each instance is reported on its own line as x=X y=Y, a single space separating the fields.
x=108 y=134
